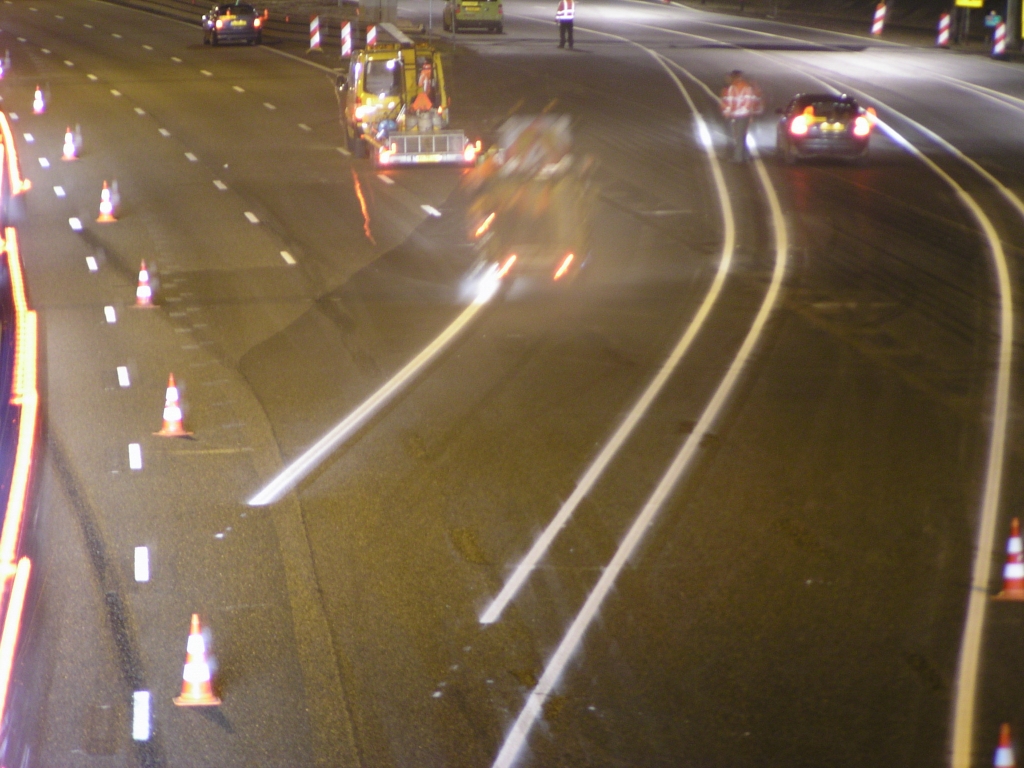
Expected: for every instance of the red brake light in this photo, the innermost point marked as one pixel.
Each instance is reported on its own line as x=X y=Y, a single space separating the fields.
x=257 y=21
x=220 y=24
x=798 y=126
x=861 y=126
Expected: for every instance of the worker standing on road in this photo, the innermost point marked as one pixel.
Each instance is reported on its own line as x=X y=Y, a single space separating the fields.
x=564 y=16
x=740 y=102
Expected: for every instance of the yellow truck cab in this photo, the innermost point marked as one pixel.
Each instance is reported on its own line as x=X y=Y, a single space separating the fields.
x=395 y=107
x=473 y=14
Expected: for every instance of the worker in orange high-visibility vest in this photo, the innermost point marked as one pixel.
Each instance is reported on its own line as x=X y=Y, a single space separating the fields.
x=564 y=15
x=740 y=102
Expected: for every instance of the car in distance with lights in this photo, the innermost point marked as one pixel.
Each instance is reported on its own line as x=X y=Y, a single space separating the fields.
x=473 y=14
x=232 y=22
x=824 y=125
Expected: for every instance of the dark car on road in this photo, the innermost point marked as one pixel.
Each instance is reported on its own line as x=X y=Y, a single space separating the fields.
x=232 y=22
x=824 y=125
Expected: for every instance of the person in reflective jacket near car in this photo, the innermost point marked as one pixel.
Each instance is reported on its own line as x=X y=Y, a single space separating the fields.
x=564 y=16
x=740 y=102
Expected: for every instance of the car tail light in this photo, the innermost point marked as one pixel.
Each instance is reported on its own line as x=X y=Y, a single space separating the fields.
x=799 y=125
x=220 y=24
x=257 y=21
x=861 y=126
x=469 y=153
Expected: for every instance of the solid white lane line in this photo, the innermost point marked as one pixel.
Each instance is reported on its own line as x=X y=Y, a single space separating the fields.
x=140 y=716
x=164 y=132
x=122 y=377
x=639 y=409
x=91 y=265
x=293 y=474
x=59 y=191
x=114 y=92
x=134 y=456
x=238 y=88
x=252 y=217
x=385 y=178
x=288 y=258
x=110 y=315
x=29 y=138
x=140 y=111
x=44 y=163
x=191 y=158
x=430 y=210
x=567 y=647
x=220 y=185
x=76 y=224
x=142 y=564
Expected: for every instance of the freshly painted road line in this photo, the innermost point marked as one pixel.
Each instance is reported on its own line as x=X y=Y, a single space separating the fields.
x=91 y=265
x=76 y=223
x=220 y=185
x=191 y=158
x=252 y=217
x=134 y=456
x=293 y=474
x=140 y=716
x=59 y=191
x=122 y=377
x=44 y=163
x=516 y=738
x=288 y=258
x=639 y=409
x=142 y=564
x=385 y=178
x=431 y=210
x=110 y=314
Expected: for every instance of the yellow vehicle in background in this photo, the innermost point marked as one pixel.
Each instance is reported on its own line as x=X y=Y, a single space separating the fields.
x=395 y=108
x=473 y=14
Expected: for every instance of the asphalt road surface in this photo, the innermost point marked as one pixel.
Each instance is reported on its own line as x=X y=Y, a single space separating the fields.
x=798 y=598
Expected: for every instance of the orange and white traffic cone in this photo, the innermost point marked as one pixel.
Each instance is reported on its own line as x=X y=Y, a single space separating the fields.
x=1013 y=571
x=196 y=685
x=143 y=294
x=70 y=152
x=173 y=426
x=1004 y=752
x=38 y=105
x=106 y=206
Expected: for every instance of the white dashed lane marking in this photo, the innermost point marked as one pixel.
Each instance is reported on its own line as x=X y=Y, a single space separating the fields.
x=44 y=162
x=68 y=63
x=251 y=217
x=175 y=59
x=220 y=185
x=122 y=377
x=148 y=47
x=385 y=179
x=92 y=77
x=29 y=138
x=114 y=34
x=110 y=314
x=13 y=116
x=76 y=223
x=268 y=105
x=47 y=51
x=304 y=127
x=205 y=72
x=114 y=92
x=165 y=133
x=87 y=26
x=140 y=111
x=238 y=89
x=142 y=564
x=431 y=210
x=288 y=258
x=59 y=191
x=140 y=716
x=191 y=158
x=344 y=151
x=91 y=265
x=134 y=456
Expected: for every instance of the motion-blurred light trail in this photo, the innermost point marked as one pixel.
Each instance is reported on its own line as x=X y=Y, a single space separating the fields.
x=516 y=738
x=639 y=409
x=293 y=474
x=362 y=207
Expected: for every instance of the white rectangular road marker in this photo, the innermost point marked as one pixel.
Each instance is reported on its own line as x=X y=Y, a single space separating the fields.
x=59 y=191
x=206 y=72
x=386 y=179
x=68 y=63
x=46 y=50
x=140 y=716
x=304 y=127
x=76 y=223
x=134 y=456
x=29 y=138
x=251 y=217
x=90 y=262
x=87 y=26
x=142 y=564
x=238 y=89
x=122 y=377
x=92 y=77
x=44 y=163
x=175 y=59
x=110 y=314
x=268 y=105
x=114 y=34
x=191 y=158
x=13 y=116
x=288 y=258
x=140 y=111
x=220 y=185
x=114 y=92
x=431 y=210
x=165 y=133
x=148 y=47
x=22 y=40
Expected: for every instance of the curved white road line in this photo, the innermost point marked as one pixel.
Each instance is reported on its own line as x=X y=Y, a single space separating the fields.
x=639 y=409
x=293 y=474
x=516 y=738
